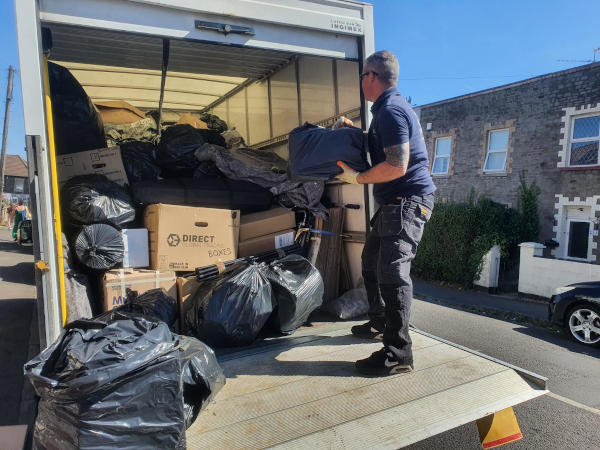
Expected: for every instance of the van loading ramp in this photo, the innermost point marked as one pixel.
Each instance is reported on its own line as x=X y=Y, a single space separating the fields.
x=303 y=392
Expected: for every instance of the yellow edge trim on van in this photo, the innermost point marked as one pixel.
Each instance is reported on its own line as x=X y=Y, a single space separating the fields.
x=56 y=204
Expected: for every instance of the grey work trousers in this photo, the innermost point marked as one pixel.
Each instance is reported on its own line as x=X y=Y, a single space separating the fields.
x=390 y=247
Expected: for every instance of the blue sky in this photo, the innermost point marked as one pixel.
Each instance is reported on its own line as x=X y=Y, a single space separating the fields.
x=445 y=47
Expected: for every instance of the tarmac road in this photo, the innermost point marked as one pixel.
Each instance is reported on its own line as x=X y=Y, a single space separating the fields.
x=569 y=417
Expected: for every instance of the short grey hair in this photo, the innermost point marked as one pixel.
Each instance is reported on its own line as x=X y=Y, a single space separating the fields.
x=385 y=64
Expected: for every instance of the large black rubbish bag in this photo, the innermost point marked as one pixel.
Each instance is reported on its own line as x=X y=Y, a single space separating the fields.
x=115 y=385
x=298 y=290
x=231 y=309
x=94 y=198
x=155 y=303
x=175 y=152
x=99 y=246
x=315 y=151
x=206 y=192
x=139 y=161
x=77 y=124
x=202 y=377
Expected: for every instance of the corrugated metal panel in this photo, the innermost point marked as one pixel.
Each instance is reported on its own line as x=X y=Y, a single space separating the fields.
x=100 y=47
x=125 y=66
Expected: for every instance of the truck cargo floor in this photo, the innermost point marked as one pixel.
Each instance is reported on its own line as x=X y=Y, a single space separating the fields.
x=303 y=392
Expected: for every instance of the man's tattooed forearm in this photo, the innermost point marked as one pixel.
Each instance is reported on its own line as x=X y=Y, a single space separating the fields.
x=397 y=155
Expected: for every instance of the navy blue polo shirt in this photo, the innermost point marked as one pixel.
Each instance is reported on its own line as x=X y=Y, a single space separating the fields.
x=394 y=123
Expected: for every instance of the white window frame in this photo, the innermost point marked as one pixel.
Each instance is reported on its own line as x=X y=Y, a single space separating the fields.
x=574 y=141
x=568 y=239
x=435 y=155
x=505 y=151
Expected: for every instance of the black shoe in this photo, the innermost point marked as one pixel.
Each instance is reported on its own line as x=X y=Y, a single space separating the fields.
x=380 y=364
x=367 y=331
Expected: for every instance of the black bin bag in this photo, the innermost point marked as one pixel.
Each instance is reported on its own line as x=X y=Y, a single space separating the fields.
x=202 y=377
x=94 y=198
x=77 y=123
x=120 y=382
x=315 y=151
x=175 y=152
x=139 y=161
x=92 y=396
x=99 y=246
x=230 y=310
x=298 y=290
x=155 y=303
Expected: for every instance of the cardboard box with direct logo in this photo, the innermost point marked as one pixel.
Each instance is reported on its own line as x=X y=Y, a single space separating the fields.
x=266 y=222
x=103 y=161
x=116 y=282
x=183 y=237
x=261 y=244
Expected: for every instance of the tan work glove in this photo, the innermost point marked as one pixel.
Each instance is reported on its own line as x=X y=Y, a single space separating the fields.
x=349 y=175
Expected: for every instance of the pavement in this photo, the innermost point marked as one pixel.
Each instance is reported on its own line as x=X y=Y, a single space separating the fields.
x=18 y=328
x=536 y=310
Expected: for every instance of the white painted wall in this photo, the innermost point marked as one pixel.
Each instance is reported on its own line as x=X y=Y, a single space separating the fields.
x=490 y=270
x=541 y=276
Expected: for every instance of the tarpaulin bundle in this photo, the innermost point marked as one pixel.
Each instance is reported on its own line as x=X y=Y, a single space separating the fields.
x=126 y=382
x=315 y=151
x=232 y=309
x=94 y=198
x=139 y=161
x=297 y=289
x=155 y=303
x=266 y=169
x=206 y=192
x=77 y=124
x=175 y=152
x=99 y=246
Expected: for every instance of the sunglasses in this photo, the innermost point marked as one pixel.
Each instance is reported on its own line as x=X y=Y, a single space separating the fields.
x=362 y=75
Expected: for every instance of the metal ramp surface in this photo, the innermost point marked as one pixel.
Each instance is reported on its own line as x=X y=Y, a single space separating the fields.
x=303 y=392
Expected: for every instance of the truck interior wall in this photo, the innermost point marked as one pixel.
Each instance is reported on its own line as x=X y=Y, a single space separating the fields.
x=307 y=88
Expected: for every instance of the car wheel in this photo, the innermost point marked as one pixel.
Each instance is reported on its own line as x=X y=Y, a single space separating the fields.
x=583 y=324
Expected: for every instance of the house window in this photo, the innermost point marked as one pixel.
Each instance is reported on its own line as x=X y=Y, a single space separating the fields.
x=495 y=160
x=19 y=185
x=578 y=239
x=585 y=140
x=441 y=159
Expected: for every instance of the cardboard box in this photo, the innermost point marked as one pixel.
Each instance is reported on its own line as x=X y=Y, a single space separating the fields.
x=266 y=222
x=186 y=288
x=119 y=112
x=183 y=237
x=261 y=244
x=135 y=241
x=104 y=161
x=116 y=282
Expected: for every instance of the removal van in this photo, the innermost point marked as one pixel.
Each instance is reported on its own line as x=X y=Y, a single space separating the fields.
x=264 y=67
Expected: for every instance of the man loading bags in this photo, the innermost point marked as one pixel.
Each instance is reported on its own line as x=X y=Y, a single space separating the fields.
x=404 y=191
